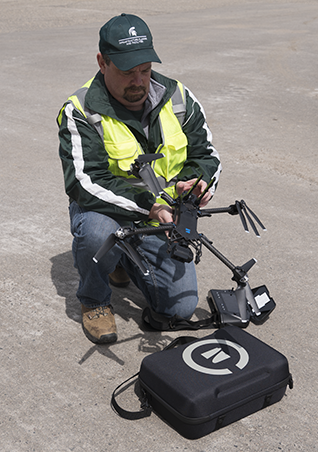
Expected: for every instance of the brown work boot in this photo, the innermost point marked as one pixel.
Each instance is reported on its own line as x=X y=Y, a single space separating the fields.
x=119 y=277
x=99 y=324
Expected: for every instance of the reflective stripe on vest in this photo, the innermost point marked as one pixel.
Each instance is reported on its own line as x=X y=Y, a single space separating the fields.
x=123 y=148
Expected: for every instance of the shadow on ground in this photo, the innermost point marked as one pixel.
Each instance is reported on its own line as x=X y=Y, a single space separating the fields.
x=128 y=303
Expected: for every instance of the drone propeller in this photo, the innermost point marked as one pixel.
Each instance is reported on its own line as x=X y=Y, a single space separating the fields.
x=207 y=188
x=251 y=222
x=253 y=215
x=111 y=240
x=251 y=300
x=147 y=158
x=147 y=175
x=107 y=245
x=186 y=196
x=245 y=295
x=244 y=211
x=248 y=265
x=141 y=168
x=238 y=208
x=134 y=255
x=241 y=301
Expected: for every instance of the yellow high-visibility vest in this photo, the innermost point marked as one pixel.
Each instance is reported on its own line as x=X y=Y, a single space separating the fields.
x=123 y=148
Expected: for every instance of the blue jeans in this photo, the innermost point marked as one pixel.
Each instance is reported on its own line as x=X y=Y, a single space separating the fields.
x=170 y=287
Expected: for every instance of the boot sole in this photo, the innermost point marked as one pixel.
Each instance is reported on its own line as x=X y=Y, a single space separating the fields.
x=105 y=339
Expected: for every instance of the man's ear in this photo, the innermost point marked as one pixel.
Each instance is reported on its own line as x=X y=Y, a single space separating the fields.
x=101 y=62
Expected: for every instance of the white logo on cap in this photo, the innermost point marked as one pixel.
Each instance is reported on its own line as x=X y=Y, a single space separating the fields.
x=132 y=31
x=134 y=38
x=217 y=354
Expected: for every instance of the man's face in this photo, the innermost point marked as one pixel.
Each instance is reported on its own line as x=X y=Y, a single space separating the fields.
x=131 y=87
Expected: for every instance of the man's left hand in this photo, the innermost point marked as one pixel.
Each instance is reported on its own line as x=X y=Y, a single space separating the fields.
x=183 y=186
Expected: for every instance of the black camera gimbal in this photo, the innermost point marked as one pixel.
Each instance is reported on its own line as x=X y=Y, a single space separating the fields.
x=228 y=306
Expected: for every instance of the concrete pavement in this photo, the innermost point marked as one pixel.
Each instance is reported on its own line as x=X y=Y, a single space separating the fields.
x=253 y=65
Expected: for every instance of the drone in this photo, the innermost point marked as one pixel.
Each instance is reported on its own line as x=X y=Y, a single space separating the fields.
x=229 y=307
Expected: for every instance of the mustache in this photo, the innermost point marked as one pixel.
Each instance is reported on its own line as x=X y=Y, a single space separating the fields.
x=135 y=89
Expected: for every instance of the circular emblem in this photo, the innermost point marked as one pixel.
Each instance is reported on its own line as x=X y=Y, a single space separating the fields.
x=207 y=355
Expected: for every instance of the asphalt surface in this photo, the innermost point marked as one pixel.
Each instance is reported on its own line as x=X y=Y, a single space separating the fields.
x=253 y=65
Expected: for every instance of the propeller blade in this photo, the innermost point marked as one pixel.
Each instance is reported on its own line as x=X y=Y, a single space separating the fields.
x=248 y=265
x=134 y=256
x=241 y=300
x=243 y=220
x=207 y=188
x=188 y=193
x=254 y=215
x=146 y=158
x=107 y=245
x=251 y=222
x=148 y=176
x=251 y=300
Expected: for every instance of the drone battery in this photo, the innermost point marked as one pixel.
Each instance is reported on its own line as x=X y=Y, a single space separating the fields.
x=211 y=382
x=224 y=304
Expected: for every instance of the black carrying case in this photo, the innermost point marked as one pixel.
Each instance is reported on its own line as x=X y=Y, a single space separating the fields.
x=214 y=381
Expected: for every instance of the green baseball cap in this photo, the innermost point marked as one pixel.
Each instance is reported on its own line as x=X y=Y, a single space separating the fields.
x=127 y=40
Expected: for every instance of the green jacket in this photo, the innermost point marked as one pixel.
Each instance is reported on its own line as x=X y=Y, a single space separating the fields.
x=88 y=179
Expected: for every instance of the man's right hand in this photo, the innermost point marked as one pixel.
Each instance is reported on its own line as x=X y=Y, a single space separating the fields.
x=161 y=213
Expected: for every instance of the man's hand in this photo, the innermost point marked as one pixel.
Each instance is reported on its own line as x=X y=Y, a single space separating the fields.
x=164 y=213
x=186 y=185
x=161 y=213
